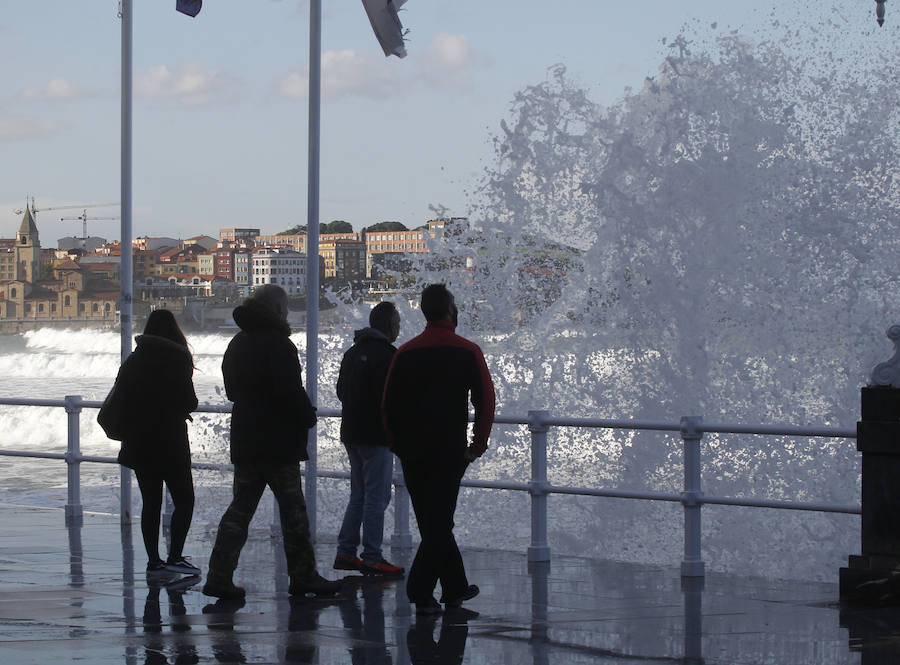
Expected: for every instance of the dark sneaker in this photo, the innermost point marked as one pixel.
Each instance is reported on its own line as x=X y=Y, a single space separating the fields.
x=381 y=568
x=225 y=590
x=468 y=594
x=223 y=606
x=460 y=614
x=430 y=606
x=181 y=565
x=156 y=568
x=346 y=562
x=316 y=586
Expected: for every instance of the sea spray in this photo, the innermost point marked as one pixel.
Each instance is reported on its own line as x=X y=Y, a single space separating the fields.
x=721 y=242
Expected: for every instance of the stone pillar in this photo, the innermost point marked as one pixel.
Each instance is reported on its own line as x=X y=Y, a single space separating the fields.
x=873 y=577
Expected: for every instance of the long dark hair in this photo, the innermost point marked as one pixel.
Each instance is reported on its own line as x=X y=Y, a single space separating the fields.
x=162 y=323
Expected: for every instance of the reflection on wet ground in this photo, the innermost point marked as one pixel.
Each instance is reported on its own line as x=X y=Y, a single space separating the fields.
x=81 y=594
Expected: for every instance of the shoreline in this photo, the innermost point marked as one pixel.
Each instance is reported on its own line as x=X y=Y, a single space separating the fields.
x=16 y=327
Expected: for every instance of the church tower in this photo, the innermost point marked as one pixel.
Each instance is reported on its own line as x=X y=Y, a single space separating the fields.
x=28 y=249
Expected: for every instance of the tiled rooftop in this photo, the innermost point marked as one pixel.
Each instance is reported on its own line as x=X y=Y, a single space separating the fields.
x=81 y=594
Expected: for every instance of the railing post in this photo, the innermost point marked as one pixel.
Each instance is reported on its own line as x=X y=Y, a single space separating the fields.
x=539 y=550
x=74 y=511
x=401 y=537
x=692 y=497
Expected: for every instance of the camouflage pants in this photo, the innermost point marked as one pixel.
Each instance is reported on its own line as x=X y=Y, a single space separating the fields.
x=250 y=480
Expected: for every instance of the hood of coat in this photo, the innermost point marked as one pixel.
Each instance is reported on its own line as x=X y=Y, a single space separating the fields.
x=363 y=334
x=253 y=316
x=162 y=346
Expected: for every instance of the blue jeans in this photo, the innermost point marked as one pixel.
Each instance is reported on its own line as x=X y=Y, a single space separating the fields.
x=371 y=472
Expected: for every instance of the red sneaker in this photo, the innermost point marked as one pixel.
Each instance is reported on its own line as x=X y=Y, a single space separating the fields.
x=381 y=568
x=345 y=562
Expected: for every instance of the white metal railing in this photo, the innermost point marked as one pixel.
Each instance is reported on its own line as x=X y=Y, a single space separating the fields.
x=692 y=498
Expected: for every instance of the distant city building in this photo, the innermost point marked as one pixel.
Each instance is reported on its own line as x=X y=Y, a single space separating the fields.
x=298 y=241
x=89 y=244
x=144 y=262
x=206 y=242
x=343 y=259
x=331 y=237
x=78 y=281
x=160 y=288
x=179 y=260
x=411 y=242
x=70 y=291
x=295 y=241
x=206 y=264
x=238 y=235
x=242 y=266
x=223 y=263
x=146 y=242
x=281 y=266
x=28 y=250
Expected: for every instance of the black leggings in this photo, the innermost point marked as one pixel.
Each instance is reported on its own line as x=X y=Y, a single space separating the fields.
x=181 y=487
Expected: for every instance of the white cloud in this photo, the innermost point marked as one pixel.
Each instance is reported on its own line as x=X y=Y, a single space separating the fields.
x=446 y=60
x=57 y=89
x=191 y=85
x=14 y=128
x=450 y=52
x=345 y=73
x=450 y=59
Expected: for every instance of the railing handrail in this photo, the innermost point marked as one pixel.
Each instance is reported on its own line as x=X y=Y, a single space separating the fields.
x=692 y=498
x=599 y=423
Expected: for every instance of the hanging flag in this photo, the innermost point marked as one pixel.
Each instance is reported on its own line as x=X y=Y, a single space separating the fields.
x=386 y=24
x=189 y=7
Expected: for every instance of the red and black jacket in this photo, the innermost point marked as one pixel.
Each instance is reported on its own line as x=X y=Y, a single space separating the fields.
x=427 y=392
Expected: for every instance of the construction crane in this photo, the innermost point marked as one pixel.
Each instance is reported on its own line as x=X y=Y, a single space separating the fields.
x=29 y=205
x=83 y=217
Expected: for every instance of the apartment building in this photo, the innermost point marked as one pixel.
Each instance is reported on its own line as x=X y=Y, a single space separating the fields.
x=238 y=236
x=409 y=242
x=282 y=266
x=343 y=259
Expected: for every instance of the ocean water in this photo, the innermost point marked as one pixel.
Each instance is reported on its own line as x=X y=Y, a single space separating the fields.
x=52 y=363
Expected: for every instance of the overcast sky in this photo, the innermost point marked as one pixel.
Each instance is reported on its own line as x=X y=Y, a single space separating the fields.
x=220 y=108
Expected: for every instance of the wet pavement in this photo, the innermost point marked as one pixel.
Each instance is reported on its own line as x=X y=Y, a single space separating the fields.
x=81 y=594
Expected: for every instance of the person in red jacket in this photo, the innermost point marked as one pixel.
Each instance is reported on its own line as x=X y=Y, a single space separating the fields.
x=425 y=408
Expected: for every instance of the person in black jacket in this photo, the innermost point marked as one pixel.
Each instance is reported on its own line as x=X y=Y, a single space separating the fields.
x=425 y=409
x=270 y=422
x=160 y=397
x=360 y=386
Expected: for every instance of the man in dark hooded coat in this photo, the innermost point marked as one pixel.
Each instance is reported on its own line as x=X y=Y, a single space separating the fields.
x=270 y=422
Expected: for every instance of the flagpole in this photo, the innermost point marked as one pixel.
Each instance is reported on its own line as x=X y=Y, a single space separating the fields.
x=312 y=249
x=125 y=268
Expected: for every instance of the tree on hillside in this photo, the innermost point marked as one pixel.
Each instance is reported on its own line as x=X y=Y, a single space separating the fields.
x=294 y=230
x=336 y=226
x=385 y=226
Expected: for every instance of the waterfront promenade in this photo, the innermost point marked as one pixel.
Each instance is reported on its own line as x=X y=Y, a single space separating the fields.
x=81 y=595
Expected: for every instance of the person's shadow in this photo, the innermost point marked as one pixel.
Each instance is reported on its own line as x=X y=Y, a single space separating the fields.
x=303 y=622
x=450 y=646
x=226 y=645
x=154 y=645
x=366 y=623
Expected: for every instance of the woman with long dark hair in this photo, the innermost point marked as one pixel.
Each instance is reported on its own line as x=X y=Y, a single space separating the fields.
x=157 y=378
